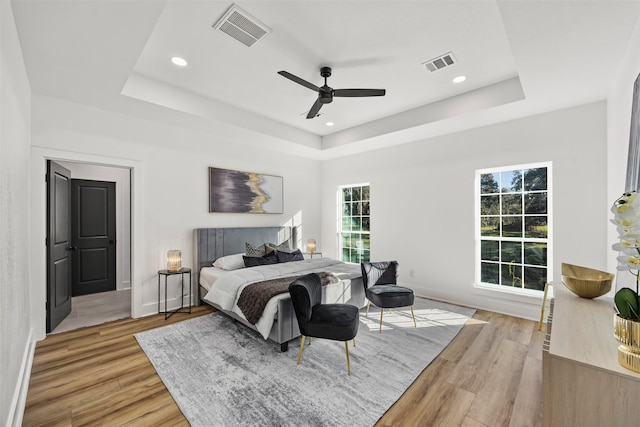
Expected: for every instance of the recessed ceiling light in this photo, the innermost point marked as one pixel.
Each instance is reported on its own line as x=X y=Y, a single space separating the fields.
x=329 y=123
x=459 y=79
x=180 y=62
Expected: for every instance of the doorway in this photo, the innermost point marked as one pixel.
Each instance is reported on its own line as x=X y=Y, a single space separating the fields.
x=99 y=294
x=93 y=233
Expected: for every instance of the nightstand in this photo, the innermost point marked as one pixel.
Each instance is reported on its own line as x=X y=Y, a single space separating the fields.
x=312 y=255
x=166 y=274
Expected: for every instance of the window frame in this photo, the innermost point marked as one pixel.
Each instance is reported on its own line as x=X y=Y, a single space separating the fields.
x=497 y=287
x=340 y=218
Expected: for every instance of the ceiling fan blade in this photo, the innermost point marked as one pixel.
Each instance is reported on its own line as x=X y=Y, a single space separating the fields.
x=358 y=92
x=299 y=80
x=314 y=109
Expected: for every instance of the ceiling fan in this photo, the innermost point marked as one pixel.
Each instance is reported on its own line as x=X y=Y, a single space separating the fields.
x=326 y=94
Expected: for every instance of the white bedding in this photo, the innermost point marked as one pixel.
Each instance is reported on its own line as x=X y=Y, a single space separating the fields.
x=227 y=288
x=209 y=275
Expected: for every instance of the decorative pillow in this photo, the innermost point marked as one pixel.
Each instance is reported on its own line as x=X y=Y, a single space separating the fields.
x=253 y=261
x=230 y=262
x=282 y=247
x=254 y=251
x=288 y=257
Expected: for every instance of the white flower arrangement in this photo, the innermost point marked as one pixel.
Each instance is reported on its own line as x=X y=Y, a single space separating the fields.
x=626 y=217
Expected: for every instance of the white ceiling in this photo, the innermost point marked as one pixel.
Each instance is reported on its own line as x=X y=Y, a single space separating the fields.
x=520 y=58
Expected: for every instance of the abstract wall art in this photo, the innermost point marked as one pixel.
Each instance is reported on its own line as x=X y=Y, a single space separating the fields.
x=233 y=191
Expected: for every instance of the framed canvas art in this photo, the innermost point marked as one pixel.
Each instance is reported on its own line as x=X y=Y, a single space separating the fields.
x=233 y=191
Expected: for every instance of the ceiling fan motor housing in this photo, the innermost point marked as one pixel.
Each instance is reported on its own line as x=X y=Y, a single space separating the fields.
x=325 y=95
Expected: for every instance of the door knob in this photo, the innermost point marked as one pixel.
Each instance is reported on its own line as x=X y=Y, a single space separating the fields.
x=111 y=242
x=72 y=248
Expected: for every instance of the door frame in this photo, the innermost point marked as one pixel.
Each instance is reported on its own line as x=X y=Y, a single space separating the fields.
x=38 y=279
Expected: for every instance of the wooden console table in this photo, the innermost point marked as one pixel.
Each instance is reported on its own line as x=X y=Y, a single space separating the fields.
x=582 y=382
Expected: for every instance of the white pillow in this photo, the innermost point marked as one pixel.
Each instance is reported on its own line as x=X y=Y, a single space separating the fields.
x=230 y=262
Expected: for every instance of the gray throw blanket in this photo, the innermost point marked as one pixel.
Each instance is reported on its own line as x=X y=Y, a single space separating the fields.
x=254 y=297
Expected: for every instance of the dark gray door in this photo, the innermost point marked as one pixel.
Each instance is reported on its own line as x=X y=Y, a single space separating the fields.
x=58 y=244
x=93 y=221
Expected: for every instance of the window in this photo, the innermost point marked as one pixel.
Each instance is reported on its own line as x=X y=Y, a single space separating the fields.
x=353 y=223
x=514 y=227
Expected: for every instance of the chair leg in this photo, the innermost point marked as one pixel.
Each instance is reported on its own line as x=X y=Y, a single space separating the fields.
x=301 y=348
x=381 y=310
x=544 y=302
x=354 y=342
x=346 y=349
x=310 y=340
x=414 y=317
x=367 y=313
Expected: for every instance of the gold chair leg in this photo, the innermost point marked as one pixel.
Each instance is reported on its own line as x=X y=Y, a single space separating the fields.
x=346 y=349
x=414 y=317
x=544 y=302
x=381 y=310
x=310 y=340
x=367 y=313
x=301 y=348
x=354 y=342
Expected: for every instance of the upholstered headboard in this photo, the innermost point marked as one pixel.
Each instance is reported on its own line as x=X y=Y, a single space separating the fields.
x=212 y=243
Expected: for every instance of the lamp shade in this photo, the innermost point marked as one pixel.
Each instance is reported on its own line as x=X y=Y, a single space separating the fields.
x=174 y=260
x=311 y=246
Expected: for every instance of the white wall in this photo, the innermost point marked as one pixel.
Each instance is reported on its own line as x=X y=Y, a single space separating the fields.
x=121 y=178
x=16 y=344
x=619 y=102
x=422 y=200
x=169 y=184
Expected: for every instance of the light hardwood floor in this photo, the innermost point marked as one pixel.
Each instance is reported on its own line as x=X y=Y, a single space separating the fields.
x=490 y=375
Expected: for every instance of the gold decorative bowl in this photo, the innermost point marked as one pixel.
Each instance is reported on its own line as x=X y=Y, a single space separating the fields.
x=586 y=282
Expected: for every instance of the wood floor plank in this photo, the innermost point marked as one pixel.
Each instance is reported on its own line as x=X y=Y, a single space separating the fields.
x=446 y=406
x=146 y=392
x=527 y=408
x=405 y=410
x=535 y=346
x=458 y=347
x=490 y=375
x=67 y=399
x=477 y=360
x=470 y=422
x=494 y=401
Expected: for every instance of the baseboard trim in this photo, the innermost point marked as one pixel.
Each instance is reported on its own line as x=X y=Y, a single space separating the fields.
x=522 y=310
x=150 y=309
x=16 y=411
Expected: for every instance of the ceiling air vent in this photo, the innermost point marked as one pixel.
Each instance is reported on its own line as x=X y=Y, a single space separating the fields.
x=440 y=62
x=241 y=26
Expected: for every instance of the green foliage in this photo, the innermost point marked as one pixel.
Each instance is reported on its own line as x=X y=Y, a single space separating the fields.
x=535 y=179
x=626 y=301
x=488 y=184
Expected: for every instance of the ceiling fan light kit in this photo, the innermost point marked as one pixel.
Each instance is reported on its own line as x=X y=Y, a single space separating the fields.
x=326 y=93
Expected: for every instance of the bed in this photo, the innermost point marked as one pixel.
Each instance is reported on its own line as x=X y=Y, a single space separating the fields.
x=221 y=288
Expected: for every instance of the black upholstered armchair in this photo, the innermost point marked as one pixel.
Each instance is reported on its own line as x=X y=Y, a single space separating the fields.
x=331 y=321
x=380 y=286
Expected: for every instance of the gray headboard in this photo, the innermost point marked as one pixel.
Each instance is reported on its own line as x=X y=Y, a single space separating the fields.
x=212 y=243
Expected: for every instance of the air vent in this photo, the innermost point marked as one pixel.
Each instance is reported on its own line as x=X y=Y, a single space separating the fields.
x=440 y=62
x=241 y=26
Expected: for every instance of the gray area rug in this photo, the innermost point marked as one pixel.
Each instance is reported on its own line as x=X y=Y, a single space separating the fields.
x=221 y=373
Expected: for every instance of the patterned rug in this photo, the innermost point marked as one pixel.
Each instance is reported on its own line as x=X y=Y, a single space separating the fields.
x=221 y=373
